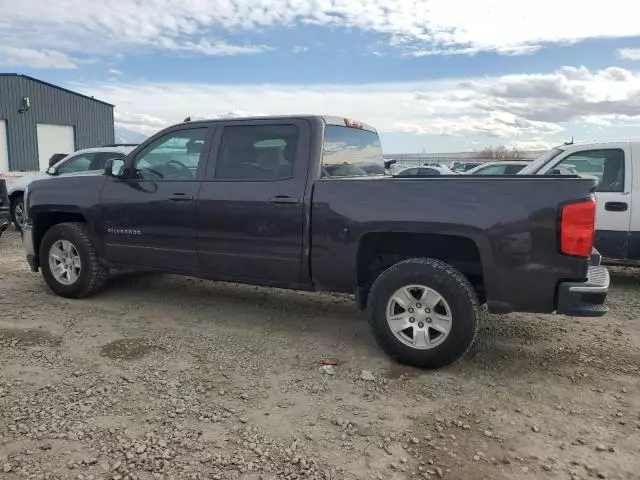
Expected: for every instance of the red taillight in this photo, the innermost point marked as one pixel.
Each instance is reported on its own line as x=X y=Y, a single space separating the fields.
x=577 y=226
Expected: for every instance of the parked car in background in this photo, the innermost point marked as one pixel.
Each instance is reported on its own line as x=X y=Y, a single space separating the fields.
x=425 y=171
x=79 y=161
x=506 y=167
x=615 y=166
x=374 y=168
x=465 y=166
x=56 y=157
x=282 y=202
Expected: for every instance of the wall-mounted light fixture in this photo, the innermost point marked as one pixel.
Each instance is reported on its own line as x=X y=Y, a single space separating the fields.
x=25 y=103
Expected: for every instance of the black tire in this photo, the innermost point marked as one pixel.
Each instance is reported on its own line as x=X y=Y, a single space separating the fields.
x=456 y=290
x=17 y=200
x=93 y=275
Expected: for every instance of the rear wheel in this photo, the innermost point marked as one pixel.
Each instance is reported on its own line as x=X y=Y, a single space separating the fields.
x=17 y=212
x=69 y=262
x=423 y=312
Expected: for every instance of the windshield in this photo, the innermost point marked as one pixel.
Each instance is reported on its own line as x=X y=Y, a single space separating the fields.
x=350 y=152
x=540 y=162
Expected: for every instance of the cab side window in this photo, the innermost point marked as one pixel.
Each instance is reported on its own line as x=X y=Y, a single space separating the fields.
x=606 y=166
x=172 y=157
x=257 y=152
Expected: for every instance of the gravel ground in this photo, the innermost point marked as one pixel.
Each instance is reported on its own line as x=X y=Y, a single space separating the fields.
x=162 y=377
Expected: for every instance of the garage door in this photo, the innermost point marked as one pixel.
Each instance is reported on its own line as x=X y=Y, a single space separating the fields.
x=53 y=139
x=4 y=147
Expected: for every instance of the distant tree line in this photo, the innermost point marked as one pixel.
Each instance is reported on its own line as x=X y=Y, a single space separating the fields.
x=498 y=153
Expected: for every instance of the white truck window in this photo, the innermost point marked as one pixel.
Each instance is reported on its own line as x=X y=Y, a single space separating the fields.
x=606 y=166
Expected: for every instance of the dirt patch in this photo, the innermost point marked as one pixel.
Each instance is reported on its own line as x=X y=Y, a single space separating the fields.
x=28 y=338
x=129 y=349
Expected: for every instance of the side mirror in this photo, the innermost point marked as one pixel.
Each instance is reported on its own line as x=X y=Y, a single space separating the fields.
x=51 y=171
x=114 y=167
x=555 y=171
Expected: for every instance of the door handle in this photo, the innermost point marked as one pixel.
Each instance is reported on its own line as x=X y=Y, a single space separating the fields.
x=616 y=206
x=180 y=197
x=284 y=200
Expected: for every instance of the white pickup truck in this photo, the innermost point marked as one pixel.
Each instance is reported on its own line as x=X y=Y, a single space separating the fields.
x=618 y=205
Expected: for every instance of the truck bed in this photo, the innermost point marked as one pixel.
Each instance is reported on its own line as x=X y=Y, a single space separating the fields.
x=511 y=221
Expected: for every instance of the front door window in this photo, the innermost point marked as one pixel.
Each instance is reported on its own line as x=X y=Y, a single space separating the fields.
x=173 y=157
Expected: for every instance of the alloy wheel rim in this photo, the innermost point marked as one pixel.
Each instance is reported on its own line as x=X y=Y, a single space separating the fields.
x=64 y=262
x=419 y=317
x=19 y=213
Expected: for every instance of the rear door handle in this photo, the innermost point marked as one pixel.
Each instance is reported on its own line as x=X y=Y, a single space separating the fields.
x=284 y=200
x=616 y=206
x=180 y=197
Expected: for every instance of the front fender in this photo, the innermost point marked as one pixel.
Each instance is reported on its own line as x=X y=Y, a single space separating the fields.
x=64 y=199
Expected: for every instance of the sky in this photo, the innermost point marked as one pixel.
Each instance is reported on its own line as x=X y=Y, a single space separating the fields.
x=430 y=75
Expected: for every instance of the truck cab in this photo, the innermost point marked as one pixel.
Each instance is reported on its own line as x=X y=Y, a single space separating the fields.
x=615 y=166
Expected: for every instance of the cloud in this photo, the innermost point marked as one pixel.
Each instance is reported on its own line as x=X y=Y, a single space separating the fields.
x=565 y=95
x=138 y=122
x=495 y=124
x=27 y=57
x=530 y=145
x=416 y=28
x=230 y=114
x=497 y=110
x=629 y=53
x=600 y=121
x=215 y=48
x=115 y=71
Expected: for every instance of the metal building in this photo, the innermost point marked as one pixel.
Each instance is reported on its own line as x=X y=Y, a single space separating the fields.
x=38 y=119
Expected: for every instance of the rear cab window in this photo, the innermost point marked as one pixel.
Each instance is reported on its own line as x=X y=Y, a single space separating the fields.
x=348 y=151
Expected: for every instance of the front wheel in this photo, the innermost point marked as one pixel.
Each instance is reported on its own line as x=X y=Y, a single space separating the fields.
x=17 y=212
x=69 y=261
x=423 y=312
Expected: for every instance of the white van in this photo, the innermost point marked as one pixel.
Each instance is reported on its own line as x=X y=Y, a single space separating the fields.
x=618 y=207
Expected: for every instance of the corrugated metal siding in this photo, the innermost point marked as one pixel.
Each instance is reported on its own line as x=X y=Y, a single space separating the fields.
x=92 y=120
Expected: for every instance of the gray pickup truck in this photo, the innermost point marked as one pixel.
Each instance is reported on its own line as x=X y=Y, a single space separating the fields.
x=282 y=202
